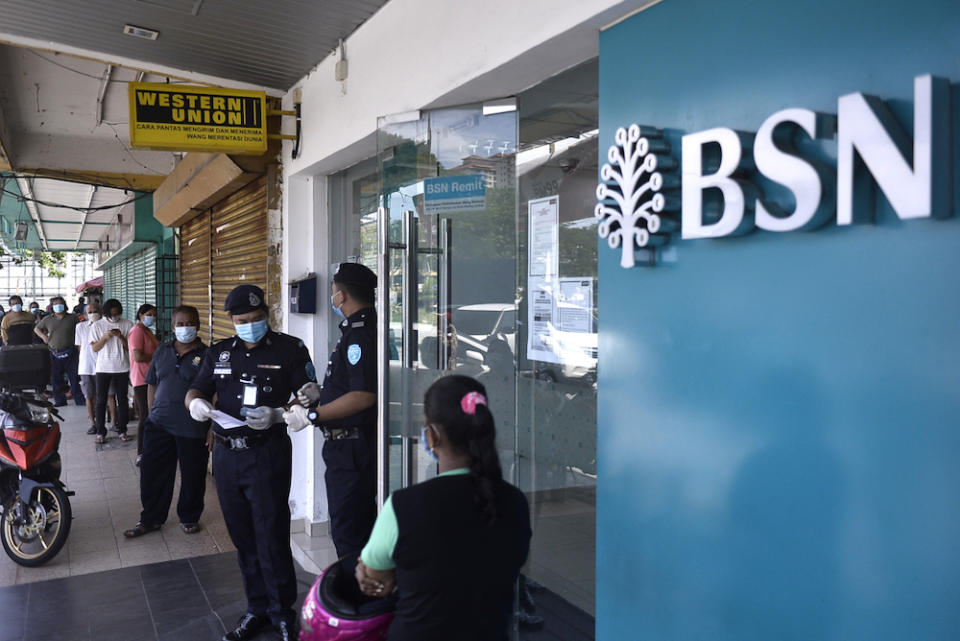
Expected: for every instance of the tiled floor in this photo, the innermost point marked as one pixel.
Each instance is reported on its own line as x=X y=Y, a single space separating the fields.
x=195 y=599
x=171 y=585
x=107 y=502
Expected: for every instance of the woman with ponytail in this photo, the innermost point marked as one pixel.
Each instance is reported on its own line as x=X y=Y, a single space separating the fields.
x=452 y=546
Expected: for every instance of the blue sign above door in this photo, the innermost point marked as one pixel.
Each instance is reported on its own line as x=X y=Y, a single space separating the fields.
x=451 y=194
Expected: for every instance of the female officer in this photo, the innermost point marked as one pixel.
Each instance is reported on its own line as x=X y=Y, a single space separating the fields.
x=453 y=545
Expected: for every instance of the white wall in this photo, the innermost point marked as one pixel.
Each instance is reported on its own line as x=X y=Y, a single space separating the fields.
x=412 y=54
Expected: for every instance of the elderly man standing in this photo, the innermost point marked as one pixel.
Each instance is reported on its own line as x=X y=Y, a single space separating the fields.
x=87 y=365
x=58 y=330
x=17 y=324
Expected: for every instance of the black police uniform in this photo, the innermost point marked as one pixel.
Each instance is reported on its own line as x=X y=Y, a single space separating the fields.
x=252 y=468
x=350 y=445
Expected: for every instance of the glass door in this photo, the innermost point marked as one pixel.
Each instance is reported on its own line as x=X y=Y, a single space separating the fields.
x=447 y=260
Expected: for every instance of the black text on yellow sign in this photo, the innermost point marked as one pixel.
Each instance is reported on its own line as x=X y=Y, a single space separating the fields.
x=185 y=118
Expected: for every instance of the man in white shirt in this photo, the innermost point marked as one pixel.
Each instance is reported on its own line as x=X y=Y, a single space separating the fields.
x=108 y=338
x=87 y=364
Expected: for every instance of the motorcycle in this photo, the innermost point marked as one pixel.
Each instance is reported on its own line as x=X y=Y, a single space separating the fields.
x=36 y=515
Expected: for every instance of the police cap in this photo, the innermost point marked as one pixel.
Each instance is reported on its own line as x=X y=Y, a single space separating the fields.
x=357 y=275
x=244 y=299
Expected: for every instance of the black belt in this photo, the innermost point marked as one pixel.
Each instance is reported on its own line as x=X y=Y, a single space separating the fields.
x=340 y=433
x=239 y=443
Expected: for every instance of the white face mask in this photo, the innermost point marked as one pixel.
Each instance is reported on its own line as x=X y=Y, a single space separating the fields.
x=94 y=316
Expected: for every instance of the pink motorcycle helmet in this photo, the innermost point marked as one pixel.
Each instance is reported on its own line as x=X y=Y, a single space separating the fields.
x=336 y=610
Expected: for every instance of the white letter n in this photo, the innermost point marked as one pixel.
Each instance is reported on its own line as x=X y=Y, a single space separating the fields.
x=866 y=126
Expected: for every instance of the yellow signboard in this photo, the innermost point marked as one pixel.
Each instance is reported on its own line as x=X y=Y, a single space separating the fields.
x=182 y=118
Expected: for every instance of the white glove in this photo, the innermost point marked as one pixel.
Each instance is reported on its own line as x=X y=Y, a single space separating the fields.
x=309 y=394
x=261 y=418
x=296 y=418
x=200 y=409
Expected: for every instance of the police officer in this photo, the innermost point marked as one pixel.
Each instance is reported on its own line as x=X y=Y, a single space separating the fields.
x=254 y=374
x=344 y=408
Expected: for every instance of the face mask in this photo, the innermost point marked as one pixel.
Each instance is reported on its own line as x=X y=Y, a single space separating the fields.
x=148 y=321
x=185 y=334
x=335 y=308
x=252 y=332
x=59 y=309
x=17 y=308
x=423 y=443
x=94 y=316
x=34 y=310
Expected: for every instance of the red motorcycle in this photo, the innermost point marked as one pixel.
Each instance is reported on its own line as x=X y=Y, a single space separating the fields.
x=36 y=516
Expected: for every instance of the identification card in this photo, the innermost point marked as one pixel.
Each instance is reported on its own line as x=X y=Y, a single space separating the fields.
x=250 y=395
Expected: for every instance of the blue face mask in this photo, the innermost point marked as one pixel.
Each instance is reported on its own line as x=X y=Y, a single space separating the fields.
x=17 y=308
x=59 y=309
x=335 y=308
x=423 y=443
x=252 y=332
x=185 y=334
x=148 y=321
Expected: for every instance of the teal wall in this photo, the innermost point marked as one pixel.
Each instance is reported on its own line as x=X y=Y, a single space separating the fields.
x=778 y=439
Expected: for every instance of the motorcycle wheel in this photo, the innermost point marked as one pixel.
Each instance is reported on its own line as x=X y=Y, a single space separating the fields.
x=42 y=531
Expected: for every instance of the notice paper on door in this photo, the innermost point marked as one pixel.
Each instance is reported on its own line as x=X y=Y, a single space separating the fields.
x=225 y=421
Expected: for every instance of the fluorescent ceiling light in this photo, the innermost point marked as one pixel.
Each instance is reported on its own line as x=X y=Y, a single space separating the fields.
x=141 y=32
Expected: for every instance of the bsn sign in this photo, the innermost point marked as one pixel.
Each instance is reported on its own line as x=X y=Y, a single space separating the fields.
x=916 y=179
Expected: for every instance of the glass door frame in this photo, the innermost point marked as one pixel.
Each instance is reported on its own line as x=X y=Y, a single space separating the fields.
x=443 y=231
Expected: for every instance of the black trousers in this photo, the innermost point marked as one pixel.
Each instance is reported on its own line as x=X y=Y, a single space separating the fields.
x=254 y=486
x=162 y=451
x=120 y=382
x=351 y=480
x=66 y=367
x=140 y=400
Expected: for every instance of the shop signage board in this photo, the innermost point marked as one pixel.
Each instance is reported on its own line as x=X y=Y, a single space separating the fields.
x=205 y=119
x=638 y=188
x=451 y=194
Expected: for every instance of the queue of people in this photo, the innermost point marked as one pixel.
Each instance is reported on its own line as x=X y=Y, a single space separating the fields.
x=446 y=547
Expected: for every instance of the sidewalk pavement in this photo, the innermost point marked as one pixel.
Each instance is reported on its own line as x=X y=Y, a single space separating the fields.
x=107 y=502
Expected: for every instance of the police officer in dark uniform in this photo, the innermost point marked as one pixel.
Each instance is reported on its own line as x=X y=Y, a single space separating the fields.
x=254 y=375
x=344 y=408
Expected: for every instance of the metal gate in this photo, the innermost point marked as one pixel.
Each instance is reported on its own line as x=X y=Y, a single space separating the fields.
x=133 y=281
x=220 y=249
x=195 y=269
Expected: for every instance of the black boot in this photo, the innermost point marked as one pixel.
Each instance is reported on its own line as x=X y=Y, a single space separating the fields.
x=247 y=627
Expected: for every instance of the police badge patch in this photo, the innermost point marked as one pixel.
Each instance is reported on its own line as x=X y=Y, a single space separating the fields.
x=254 y=300
x=224 y=357
x=353 y=354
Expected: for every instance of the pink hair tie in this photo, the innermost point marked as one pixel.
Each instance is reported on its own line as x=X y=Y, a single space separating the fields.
x=470 y=401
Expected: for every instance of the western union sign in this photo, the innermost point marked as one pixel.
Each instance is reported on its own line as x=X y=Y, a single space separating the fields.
x=181 y=118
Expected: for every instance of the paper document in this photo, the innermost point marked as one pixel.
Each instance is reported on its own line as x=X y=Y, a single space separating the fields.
x=225 y=421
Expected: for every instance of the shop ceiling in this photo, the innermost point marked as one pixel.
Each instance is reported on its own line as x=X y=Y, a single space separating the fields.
x=64 y=70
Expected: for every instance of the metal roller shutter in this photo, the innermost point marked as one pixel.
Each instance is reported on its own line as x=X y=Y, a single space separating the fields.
x=238 y=232
x=133 y=281
x=195 y=268
x=142 y=281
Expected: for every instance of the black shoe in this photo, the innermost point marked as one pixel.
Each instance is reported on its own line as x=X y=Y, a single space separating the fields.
x=530 y=621
x=247 y=627
x=288 y=631
x=92 y=429
x=60 y=404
